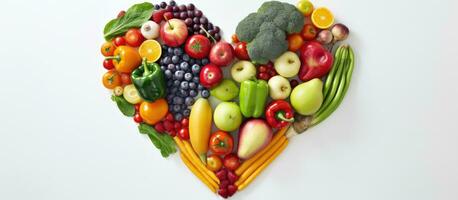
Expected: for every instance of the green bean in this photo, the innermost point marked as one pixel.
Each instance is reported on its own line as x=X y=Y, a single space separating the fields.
x=337 y=60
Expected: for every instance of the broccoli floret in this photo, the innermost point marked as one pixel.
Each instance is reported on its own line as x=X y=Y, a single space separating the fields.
x=265 y=31
x=248 y=28
x=268 y=44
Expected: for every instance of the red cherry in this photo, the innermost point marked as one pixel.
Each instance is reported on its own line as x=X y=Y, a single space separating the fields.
x=168 y=125
x=177 y=126
x=262 y=68
x=185 y=122
x=108 y=64
x=169 y=117
x=183 y=134
x=159 y=127
x=263 y=76
x=138 y=118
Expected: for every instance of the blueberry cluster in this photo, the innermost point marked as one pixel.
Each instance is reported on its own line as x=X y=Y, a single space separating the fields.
x=182 y=76
x=192 y=17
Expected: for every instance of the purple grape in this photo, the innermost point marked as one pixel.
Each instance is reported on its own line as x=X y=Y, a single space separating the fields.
x=182 y=8
x=217 y=30
x=196 y=20
x=203 y=20
x=190 y=13
x=188 y=21
x=176 y=15
x=183 y=15
x=198 y=13
x=190 y=6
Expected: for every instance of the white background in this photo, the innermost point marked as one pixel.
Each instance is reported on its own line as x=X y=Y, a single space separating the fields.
x=394 y=137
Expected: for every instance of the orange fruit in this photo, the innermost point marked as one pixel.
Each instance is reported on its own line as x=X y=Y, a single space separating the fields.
x=151 y=50
x=153 y=112
x=322 y=18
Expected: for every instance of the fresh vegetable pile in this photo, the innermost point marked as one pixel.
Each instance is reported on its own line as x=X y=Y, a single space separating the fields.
x=165 y=67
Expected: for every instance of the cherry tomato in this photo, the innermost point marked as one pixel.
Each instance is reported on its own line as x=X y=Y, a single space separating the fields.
x=111 y=79
x=138 y=118
x=185 y=122
x=262 y=68
x=214 y=163
x=159 y=127
x=183 y=134
x=107 y=49
x=241 y=52
x=108 y=64
x=169 y=117
x=264 y=76
x=168 y=125
x=172 y=133
x=231 y=162
x=137 y=107
x=235 y=39
x=134 y=37
x=125 y=79
x=221 y=143
x=119 y=41
x=309 y=32
x=177 y=126
x=295 y=42
x=153 y=112
x=121 y=14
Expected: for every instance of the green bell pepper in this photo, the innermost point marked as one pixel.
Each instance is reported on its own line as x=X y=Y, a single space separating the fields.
x=149 y=81
x=253 y=97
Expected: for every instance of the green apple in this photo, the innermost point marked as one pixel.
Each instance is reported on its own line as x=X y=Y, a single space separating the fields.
x=307 y=97
x=305 y=7
x=227 y=116
x=243 y=70
x=279 y=87
x=288 y=64
x=226 y=90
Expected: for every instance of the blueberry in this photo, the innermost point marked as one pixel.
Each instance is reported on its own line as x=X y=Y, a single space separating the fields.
x=179 y=75
x=167 y=60
x=188 y=76
x=185 y=57
x=186 y=112
x=171 y=67
x=183 y=93
x=184 y=85
x=189 y=101
x=195 y=79
x=172 y=3
x=163 y=4
x=205 y=93
x=195 y=68
x=175 y=83
x=177 y=67
x=170 y=51
x=168 y=73
x=192 y=85
x=184 y=66
x=205 y=61
x=177 y=100
x=178 y=117
x=157 y=7
x=192 y=93
x=200 y=87
x=192 y=61
x=177 y=51
x=175 y=59
x=163 y=68
x=169 y=84
x=176 y=108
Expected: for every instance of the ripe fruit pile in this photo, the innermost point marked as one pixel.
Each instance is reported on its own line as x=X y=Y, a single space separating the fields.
x=165 y=67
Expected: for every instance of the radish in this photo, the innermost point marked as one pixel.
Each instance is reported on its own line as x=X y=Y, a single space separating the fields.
x=254 y=135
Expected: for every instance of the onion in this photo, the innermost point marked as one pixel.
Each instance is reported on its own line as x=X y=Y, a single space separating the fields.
x=340 y=32
x=324 y=37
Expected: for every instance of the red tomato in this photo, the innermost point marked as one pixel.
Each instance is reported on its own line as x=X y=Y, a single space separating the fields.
x=119 y=41
x=108 y=64
x=138 y=118
x=185 y=122
x=183 y=134
x=240 y=51
x=221 y=143
x=134 y=37
x=197 y=46
x=231 y=162
x=125 y=79
x=309 y=32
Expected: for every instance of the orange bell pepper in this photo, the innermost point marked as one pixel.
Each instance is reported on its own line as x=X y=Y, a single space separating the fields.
x=125 y=59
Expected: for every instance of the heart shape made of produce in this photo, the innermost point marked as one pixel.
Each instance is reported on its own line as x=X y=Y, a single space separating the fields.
x=165 y=67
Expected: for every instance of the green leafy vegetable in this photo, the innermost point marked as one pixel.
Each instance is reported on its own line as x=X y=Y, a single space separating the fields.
x=163 y=142
x=135 y=16
x=125 y=107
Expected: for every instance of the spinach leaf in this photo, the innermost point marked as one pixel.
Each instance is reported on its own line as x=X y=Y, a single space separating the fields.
x=163 y=142
x=125 y=107
x=135 y=16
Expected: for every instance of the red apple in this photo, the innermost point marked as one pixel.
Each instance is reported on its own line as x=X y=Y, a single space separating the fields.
x=221 y=54
x=174 y=32
x=210 y=75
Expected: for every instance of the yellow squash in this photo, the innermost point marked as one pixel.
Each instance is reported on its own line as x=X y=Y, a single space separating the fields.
x=200 y=122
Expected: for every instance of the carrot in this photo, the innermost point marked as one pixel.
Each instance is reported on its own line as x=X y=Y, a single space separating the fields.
x=199 y=166
x=263 y=166
x=202 y=168
x=249 y=162
x=197 y=173
x=260 y=161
